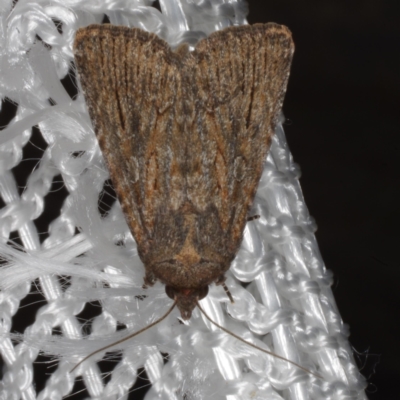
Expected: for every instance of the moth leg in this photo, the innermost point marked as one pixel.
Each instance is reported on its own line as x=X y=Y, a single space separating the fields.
x=221 y=281
x=253 y=217
x=149 y=280
x=228 y=293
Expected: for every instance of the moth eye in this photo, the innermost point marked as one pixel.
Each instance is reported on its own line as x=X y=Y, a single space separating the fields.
x=203 y=292
x=170 y=292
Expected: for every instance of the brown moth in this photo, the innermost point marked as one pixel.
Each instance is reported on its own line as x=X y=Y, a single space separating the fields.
x=184 y=135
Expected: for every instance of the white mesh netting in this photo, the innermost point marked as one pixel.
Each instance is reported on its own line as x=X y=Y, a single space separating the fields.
x=281 y=288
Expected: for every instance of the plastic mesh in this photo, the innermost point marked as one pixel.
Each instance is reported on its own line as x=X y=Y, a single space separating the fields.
x=281 y=288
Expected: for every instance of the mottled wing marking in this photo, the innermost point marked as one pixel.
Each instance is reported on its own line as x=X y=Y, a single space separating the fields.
x=184 y=135
x=239 y=78
x=131 y=81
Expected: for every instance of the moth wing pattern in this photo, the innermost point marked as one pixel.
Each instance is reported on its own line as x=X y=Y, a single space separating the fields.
x=131 y=80
x=185 y=135
x=239 y=77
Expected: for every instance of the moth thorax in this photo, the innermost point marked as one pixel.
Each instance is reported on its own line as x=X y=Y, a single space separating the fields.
x=186 y=299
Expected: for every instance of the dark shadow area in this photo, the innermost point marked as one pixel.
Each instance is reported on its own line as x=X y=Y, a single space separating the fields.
x=70 y=82
x=141 y=386
x=107 y=198
x=90 y=311
x=7 y=112
x=53 y=204
x=2 y=367
x=156 y=4
x=43 y=368
x=79 y=392
x=106 y=20
x=29 y=305
x=58 y=24
x=31 y=156
x=342 y=101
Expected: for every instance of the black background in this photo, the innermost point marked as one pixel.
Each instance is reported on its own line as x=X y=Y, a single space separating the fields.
x=342 y=128
x=342 y=107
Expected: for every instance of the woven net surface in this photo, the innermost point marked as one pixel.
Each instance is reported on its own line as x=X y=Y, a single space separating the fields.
x=63 y=259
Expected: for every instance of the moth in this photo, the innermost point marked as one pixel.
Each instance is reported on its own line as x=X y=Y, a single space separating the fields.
x=184 y=135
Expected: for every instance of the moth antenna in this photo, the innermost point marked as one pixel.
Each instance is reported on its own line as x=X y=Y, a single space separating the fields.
x=228 y=293
x=125 y=338
x=256 y=347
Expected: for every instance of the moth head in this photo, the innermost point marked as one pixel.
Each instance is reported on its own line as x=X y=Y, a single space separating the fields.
x=186 y=299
